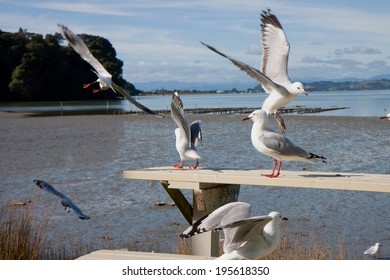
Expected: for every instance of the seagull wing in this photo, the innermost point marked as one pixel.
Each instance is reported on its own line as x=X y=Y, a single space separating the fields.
x=47 y=187
x=275 y=49
x=127 y=95
x=246 y=229
x=81 y=48
x=226 y=214
x=67 y=202
x=267 y=83
x=196 y=134
x=177 y=113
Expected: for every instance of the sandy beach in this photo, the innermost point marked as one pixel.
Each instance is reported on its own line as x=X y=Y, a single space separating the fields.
x=84 y=156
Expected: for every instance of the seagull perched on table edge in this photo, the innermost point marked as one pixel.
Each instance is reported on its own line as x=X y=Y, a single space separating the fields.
x=187 y=136
x=373 y=250
x=276 y=145
x=104 y=77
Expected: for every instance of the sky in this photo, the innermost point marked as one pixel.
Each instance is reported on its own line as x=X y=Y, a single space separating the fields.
x=159 y=40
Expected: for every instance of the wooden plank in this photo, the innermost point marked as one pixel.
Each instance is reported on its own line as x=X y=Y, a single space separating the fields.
x=132 y=255
x=297 y=179
x=180 y=201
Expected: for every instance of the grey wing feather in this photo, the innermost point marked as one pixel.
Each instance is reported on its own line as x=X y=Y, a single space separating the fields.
x=228 y=213
x=282 y=145
x=67 y=202
x=81 y=48
x=251 y=71
x=47 y=187
x=246 y=228
x=126 y=95
x=196 y=134
x=177 y=113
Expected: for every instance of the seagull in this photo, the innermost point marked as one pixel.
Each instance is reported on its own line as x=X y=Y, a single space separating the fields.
x=385 y=117
x=187 y=136
x=104 y=77
x=273 y=75
x=276 y=145
x=245 y=237
x=65 y=201
x=373 y=250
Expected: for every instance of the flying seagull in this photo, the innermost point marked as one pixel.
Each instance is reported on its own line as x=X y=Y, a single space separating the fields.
x=245 y=237
x=276 y=145
x=187 y=136
x=273 y=75
x=65 y=201
x=104 y=77
x=373 y=250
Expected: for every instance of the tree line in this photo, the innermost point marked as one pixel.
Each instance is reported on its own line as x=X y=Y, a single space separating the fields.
x=45 y=68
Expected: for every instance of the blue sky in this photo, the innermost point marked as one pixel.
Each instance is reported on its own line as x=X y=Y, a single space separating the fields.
x=158 y=40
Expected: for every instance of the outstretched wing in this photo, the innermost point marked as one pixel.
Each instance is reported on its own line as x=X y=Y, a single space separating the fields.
x=177 y=113
x=47 y=187
x=67 y=202
x=126 y=95
x=226 y=214
x=81 y=48
x=275 y=49
x=196 y=134
x=267 y=83
x=245 y=229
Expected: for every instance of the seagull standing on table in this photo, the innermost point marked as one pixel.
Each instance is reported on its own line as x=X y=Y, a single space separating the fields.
x=245 y=237
x=187 y=136
x=276 y=145
x=273 y=75
x=65 y=201
x=104 y=77
x=373 y=250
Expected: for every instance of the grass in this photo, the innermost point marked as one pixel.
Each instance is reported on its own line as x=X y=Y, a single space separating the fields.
x=23 y=236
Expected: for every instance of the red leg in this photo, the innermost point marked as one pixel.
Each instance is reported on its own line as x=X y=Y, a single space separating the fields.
x=273 y=170
x=87 y=85
x=96 y=90
x=179 y=165
x=195 y=166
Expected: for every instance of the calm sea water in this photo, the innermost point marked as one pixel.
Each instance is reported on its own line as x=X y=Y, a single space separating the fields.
x=360 y=103
x=85 y=156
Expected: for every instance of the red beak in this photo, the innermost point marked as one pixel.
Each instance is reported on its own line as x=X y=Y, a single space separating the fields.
x=246 y=118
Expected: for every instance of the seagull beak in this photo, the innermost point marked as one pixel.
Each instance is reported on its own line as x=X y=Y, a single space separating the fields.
x=284 y=218
x=246 y=118
x=305 y=93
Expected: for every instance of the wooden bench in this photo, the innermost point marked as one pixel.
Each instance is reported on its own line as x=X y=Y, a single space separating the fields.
x=212 y=188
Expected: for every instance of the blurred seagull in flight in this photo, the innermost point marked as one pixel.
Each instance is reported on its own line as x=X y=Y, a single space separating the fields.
x=104 y=77
x=276 y=145
x=65 y=201
x=273 y=75
x=187 y=136
x=245 y=237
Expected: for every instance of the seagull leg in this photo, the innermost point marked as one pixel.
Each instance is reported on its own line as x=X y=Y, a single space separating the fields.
x=195 y=166
x=179 y=165
x=273 y=170
x=87 y=85
x=96 y=90
x=282 y=125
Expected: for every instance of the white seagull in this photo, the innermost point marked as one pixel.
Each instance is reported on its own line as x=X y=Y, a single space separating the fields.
x=245 y=237
x=373 y=250
x=276 y=145
x=187 y=136
x=273 y=75
x=385 y=117
x=65 y=201
x=104 y=77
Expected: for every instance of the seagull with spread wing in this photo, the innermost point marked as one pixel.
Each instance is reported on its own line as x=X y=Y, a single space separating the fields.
x=187 y=136
x=104 y=77
x=273 y=75
x=65 y=201
x=245 y=237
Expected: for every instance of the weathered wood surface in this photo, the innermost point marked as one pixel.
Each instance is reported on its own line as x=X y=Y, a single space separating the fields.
x=133 y=255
